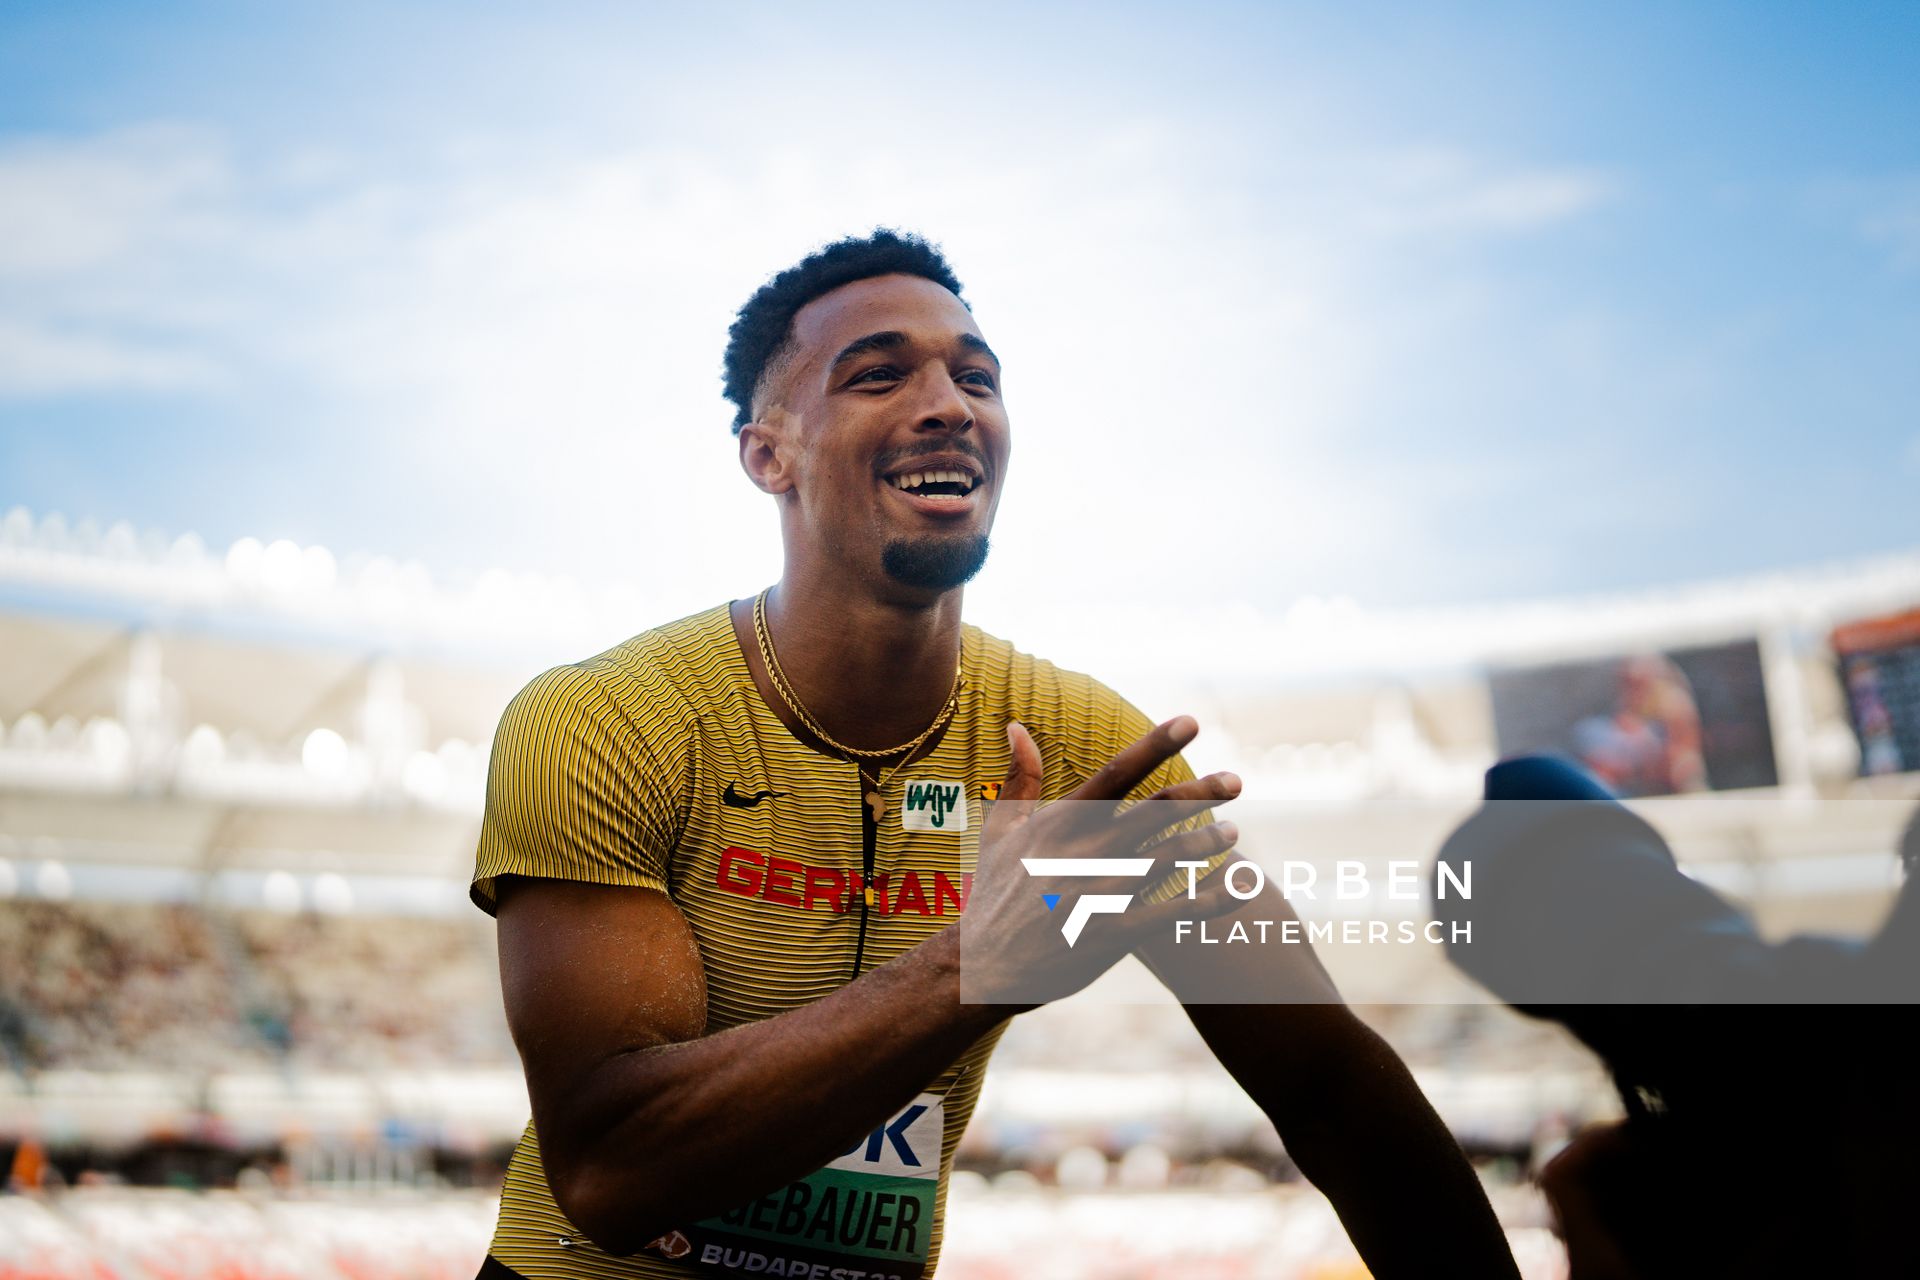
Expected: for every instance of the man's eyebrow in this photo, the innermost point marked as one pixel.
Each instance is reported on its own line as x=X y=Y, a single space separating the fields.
x=893 y=340
x=885 y=340
x=974 y=342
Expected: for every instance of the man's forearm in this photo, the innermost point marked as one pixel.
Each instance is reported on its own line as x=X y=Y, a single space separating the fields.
x=669 y=1134
x=1372 y=1143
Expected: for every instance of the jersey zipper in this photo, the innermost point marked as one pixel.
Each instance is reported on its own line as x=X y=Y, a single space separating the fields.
x=869 y=839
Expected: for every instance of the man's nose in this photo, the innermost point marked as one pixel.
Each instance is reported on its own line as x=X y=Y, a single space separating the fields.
x=943 y=405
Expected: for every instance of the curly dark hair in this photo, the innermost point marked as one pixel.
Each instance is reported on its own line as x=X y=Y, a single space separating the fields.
x=763 y=328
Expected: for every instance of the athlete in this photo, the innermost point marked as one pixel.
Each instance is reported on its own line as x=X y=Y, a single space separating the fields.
x=729 y=857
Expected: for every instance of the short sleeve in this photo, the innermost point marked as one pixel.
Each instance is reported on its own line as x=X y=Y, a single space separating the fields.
x=575 y=791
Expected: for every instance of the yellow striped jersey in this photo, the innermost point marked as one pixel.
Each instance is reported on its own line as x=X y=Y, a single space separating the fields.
x=658 y=764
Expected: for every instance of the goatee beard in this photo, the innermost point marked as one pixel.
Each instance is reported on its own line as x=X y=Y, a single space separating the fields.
x=934 y=564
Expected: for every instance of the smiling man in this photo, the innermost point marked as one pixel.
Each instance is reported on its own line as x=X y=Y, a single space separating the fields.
x=730 y=859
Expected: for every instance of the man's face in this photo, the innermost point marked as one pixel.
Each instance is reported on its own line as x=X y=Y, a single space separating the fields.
x=890 y=431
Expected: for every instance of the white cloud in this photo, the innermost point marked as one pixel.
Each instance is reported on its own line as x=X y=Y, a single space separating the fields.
x=1190 y=370
x=1448 y=191
x=1525 y=201
x=110 y=253
x=35 y=362
x=1892 y=221
x=1883 y=210
x=73 y=205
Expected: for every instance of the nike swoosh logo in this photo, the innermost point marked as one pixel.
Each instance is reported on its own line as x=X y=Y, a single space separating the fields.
x=738 y=801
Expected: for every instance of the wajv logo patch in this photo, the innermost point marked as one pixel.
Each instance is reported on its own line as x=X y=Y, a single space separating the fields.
x=933 y=804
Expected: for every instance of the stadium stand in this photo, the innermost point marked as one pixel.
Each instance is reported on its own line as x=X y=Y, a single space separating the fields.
x=238 y=800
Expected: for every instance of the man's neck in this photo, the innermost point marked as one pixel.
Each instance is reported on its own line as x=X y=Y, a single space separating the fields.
x=873 y=673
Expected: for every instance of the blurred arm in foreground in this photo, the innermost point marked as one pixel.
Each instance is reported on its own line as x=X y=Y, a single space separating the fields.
x=1348 y=1110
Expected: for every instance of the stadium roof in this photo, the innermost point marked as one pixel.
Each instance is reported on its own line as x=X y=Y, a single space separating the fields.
x=267 y=706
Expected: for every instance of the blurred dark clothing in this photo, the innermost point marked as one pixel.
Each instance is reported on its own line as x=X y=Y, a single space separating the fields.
x=1770 y=1087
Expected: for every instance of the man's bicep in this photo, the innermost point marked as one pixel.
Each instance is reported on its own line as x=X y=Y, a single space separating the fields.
x=590 y=972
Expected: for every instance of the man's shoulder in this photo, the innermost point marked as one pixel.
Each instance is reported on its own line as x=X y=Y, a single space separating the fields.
x=691 y=651
x=1046 y=697
x=663 y=674
x=998 y=664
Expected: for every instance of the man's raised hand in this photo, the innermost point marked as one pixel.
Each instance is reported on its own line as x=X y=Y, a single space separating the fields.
x=1018 y=948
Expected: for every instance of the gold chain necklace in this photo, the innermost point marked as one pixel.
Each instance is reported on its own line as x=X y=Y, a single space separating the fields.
x=854 y=755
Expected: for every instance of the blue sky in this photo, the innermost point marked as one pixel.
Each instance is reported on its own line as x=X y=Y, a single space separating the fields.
x=1357 y=300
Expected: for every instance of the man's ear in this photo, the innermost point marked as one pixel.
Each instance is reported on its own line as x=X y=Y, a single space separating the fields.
x=766 y=451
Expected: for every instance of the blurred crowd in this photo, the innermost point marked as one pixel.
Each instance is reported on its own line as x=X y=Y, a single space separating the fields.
x=123 y=986
x=1280 y=1233
x=120 y=986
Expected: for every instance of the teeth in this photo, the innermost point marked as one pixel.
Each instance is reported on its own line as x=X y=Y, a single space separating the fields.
x=914 y=479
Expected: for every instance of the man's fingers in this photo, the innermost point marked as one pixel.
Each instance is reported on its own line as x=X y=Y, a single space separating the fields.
x=1132 y=766
x=1187 y=846
x=1020 y=789
x=1210 y=899
x=1215 y=787
x=1143 y=822
x=1194 y=846
x=1191 y=846
x=1171 y=805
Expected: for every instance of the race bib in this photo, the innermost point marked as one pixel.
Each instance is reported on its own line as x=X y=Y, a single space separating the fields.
x=867 y=1216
